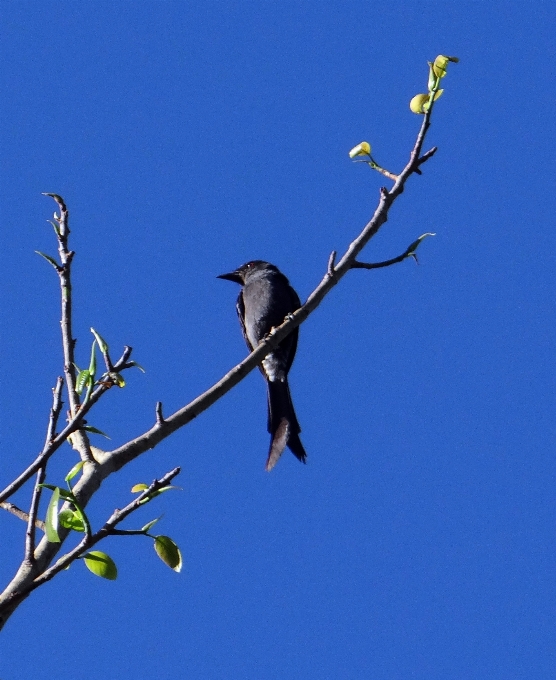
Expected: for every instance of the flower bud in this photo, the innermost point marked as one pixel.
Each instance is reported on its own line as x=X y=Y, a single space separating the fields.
x=363 y=149
x=418 y=102
x=441 y=63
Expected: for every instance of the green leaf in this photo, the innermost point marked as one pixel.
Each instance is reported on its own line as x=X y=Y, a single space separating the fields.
x=165 y=488
x=134 y=363
x=74 y=471
x=168 y=552
x=94 y=430
x=51 y=523
x=101 y=342
x=101 y=565
x=66 y=495
x=139 y=487
x=151 y=524
x=93 y=362
x=48 y=486
x=83 y=380
x=418 y=102
x=55 y=227
x=49 y=259
x=71 y=519
x=156 y=493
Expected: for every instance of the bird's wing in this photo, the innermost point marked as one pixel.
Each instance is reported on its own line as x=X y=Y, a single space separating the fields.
x=240 y=308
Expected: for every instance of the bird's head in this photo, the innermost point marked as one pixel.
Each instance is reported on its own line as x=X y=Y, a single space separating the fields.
x=240 y=274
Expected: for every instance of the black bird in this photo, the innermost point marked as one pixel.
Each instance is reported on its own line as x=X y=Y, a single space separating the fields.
x=266 y=298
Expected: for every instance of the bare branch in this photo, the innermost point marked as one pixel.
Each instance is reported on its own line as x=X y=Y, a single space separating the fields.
x=331 y=262
x=61 y=227
x=410 y=252
x=129 y=451
x=30 y=533
x=54 y=411
x=21 y=514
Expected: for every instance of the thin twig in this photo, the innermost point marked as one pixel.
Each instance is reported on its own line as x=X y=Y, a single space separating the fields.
x=30 y=533
x=80 y=439
x=74 y=424
x=331 y=262
x=410 y=252
x=21 y=514
x=41 y=473
x=158 y=411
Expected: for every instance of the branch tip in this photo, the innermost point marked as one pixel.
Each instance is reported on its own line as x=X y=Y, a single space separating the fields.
x=331 y=263
x=59 y=200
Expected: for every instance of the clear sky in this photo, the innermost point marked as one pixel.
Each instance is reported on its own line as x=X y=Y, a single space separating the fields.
x=190 y=137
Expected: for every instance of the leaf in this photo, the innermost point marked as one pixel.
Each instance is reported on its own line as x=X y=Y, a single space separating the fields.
x=418 y=102
x=83 y=380
x=49 y=259
x=101 y=565
x=163 y=489
x=66 y=495
x=55 y=227
x=151 y=524
x=94 y=430
x=139 y=487
x=103 y=346
x=93 y=362
x=134 y=363
x=168 y=552
x=74 y=471
x=71 y=519
x=441 y=64
x=156 y=493
x=51 y=523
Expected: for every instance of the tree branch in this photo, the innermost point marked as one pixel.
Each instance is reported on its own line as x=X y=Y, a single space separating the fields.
x=21 y=514
x=88 y=541
x=410 y=252
x=129 y=451
x=30 y=576
x=74 y=424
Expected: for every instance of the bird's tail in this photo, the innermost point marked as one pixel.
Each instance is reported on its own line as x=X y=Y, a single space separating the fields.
x=282 y=424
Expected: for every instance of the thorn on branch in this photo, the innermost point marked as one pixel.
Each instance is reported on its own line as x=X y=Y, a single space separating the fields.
x=331 y=264
x=424 y=158
x=384 y=194
x=159 y=416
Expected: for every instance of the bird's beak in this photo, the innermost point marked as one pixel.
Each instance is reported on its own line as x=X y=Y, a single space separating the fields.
x=232 y=276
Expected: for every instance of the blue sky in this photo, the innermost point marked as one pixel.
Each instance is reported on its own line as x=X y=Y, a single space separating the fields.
x=188 y=138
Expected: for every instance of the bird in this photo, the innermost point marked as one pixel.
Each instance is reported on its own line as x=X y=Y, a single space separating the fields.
x=265 y=300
